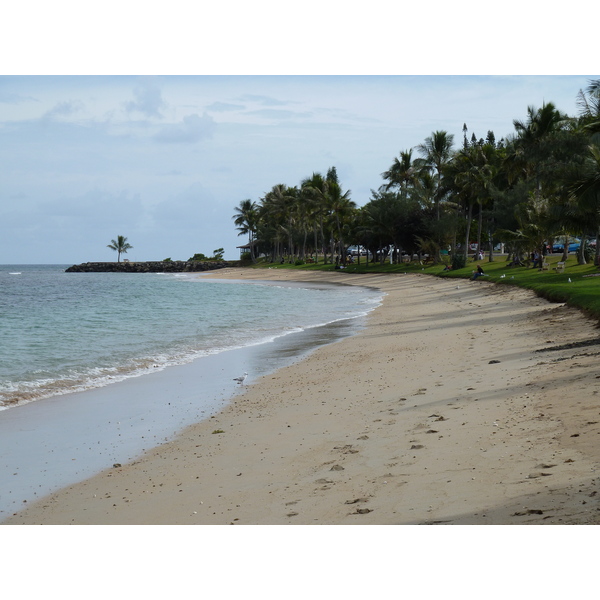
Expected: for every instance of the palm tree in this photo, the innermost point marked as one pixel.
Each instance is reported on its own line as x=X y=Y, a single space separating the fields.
x=536 y=142
x=589 y=106
x=341 y=208
x=246 y=221
x=401 y=173
x=120 y=245
x=587 y=193
x=437 y=151
x=314 y=192
x=280 y=203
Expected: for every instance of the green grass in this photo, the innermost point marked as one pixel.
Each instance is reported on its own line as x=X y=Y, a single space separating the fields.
x=581 y=292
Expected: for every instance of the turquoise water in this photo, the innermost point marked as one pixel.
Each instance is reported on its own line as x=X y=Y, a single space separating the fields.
x=67 y=332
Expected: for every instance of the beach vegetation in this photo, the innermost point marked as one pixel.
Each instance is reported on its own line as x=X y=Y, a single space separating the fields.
x=200 y=257
x=510 y=199
x=120 y=245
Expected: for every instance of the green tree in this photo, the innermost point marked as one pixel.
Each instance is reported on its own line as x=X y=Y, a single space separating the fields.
x=589 y=107
x=437 y=151
x=245 y=219
x=120 y=245
x=341 y=209
x=402 y=173
x=586 y=192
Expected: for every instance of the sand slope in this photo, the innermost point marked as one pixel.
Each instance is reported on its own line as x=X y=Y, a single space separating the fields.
x=460 y=403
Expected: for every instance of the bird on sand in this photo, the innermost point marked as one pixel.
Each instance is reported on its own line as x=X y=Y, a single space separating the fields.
x=241 y=379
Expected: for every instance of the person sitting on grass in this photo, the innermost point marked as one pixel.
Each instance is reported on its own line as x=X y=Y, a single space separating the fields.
x=478 y=273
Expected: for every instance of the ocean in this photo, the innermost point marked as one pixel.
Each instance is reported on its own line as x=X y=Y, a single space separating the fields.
x=95 y=368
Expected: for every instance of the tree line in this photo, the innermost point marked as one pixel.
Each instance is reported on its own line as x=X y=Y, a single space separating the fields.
x=540 y=184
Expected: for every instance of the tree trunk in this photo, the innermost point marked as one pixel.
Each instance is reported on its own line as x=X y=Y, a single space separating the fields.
x=581 y=252
x=565 y=255
x=469 y=218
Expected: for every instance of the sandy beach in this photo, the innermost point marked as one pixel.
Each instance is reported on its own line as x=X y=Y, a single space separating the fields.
x=460 y=402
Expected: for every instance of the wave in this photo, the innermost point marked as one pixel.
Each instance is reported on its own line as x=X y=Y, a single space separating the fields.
x=26 y=392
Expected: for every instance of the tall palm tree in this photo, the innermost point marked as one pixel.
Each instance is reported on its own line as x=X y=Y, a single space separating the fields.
x=341 y=208
x=401 y=173
x=120 y=245
x=246 y=221
x=536 y=141
x=314 y=192
x=437 y=151
x=282 y=206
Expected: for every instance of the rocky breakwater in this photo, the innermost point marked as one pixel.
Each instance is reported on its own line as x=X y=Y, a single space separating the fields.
x=174 y=266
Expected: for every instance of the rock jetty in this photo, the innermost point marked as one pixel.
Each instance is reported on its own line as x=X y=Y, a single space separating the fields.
x=159 y=266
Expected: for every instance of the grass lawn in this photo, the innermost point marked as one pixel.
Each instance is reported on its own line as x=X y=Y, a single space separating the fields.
x=577 y=286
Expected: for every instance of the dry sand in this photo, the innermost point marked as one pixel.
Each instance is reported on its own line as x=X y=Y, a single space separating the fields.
x=461 y=402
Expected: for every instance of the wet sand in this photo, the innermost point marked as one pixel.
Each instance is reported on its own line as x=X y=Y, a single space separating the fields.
x=461 y=402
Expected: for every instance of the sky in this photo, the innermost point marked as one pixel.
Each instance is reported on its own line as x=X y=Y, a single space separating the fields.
x=158 y=133
x=164 y=160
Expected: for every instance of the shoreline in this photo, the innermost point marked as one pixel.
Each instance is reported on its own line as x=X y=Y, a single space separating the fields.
x=463 y=404
x=116 y=423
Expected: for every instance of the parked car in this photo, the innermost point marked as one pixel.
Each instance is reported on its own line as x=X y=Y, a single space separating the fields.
x=560 y=247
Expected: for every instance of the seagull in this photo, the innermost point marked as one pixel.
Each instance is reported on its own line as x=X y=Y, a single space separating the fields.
x=569 y=280
x=241 y=379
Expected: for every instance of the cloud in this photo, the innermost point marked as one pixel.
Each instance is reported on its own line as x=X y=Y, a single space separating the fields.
x=148 y=100
x=192 y=129
x=14 y=98
x=264 y=100
x=63 y=109
x=269 y=113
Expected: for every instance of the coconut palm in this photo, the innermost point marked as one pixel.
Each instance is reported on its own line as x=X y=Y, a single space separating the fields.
x=281 y=206
x=314 y=192
x=120 y=245
x=341 y=209
x=401 y=173
x=437 y=151
x=586 y=191
x=536 y=141
x=246 y=221
x=589 y=107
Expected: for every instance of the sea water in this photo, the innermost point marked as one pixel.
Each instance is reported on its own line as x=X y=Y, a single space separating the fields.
x=98 y=367
x=64 y=332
